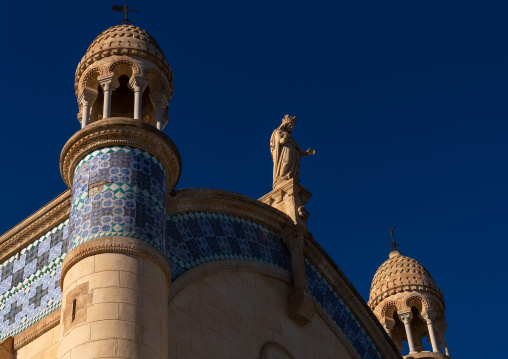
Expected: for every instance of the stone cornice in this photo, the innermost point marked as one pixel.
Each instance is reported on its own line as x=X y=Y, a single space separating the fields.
x=35 y=331
x=214 y=200
x=339 y=282
x=39 y=223
x=121 y=131
x=115 y=245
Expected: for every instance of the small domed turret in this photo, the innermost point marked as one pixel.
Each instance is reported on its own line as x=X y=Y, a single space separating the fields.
x=124 y=74
x=409 y=305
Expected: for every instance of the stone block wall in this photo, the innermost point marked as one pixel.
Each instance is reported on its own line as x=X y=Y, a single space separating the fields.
x=43 y=347
x=120 y=309
x=233 y=314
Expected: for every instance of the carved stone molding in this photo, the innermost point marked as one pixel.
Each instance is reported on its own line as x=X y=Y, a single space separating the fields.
x=272 y=350
x=35 y=331
x=406 y=288
x=340 y=284
x=213 y=200
x=121 y=131
x=115 y=245
x=39 y=223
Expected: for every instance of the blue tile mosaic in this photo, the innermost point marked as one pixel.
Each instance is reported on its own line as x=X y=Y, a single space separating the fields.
x=194 y=238
x=30 y=286
x=130 y=201
x=340 y=313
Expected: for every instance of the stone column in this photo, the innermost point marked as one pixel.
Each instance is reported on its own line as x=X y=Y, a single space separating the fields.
x=138 y=85
x=108 y=84
x=86 y=99
x=441 y=328
x=159 y=101
x=428 y=317
x=301 y=305
x=406 y=319
x=115 y=278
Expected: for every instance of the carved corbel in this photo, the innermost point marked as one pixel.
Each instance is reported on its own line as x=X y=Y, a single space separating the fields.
x=301 y=302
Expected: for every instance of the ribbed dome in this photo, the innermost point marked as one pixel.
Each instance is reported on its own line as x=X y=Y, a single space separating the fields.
x=399 y=274
x=124 y=40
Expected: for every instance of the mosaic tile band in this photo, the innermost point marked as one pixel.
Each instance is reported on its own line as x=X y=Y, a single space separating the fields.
x=119 y=191
x=199 y=237
x=30 y=285
x=331 y=302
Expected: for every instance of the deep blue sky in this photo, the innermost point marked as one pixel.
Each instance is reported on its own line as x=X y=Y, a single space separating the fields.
x=405 y=104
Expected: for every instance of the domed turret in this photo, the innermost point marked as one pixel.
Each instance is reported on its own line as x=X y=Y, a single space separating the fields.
x=409 y=305
x=400 y=274
x=124 y=74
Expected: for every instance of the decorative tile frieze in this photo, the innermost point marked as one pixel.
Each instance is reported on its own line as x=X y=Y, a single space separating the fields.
x=29 y=286
x=194 y=238
x=129 y=200
x=338 y=311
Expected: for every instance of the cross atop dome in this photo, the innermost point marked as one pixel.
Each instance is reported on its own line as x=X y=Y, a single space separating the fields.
x=125 y=9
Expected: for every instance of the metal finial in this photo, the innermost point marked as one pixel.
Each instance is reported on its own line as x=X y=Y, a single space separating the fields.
x=394 y=244
x=125 y=9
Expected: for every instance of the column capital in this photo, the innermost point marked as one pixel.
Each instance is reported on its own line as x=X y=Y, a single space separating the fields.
x=406 y=317
x=108 y=83
x=138 y=84
x=87 y=96
x=429 y=316
x=388 y=324
x=159 y=98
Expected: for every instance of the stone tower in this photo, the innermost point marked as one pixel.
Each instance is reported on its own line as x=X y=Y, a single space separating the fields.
x=410 y=306
x=121 y=169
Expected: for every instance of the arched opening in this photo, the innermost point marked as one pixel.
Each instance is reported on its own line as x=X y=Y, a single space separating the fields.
x=122 y=99
x=97 y=108
x=147 y=109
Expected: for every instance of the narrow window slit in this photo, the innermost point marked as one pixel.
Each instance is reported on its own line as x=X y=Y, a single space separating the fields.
x=73 y=310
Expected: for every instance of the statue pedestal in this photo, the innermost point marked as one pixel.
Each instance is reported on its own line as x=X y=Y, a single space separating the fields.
x=290 y=197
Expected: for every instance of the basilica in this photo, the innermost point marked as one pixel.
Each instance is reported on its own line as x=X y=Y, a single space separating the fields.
x=122 y=265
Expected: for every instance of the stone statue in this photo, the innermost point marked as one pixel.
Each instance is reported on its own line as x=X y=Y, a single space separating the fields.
x=286 y=153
